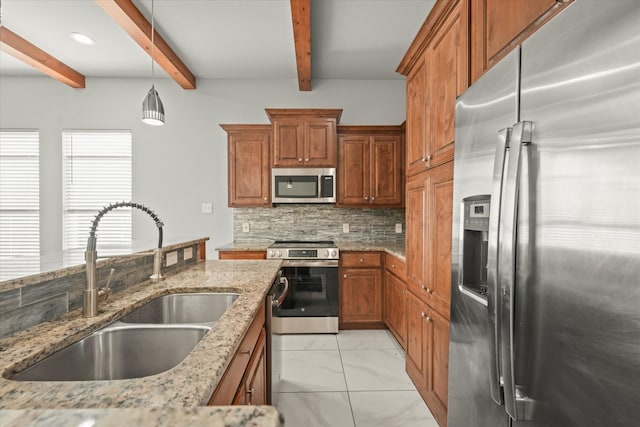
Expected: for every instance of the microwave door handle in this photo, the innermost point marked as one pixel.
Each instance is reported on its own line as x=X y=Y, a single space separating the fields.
x=493 y=295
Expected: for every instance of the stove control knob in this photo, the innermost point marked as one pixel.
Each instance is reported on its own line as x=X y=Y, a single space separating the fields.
x=279 y=253
x=334 y=253
x=271 y=254
x=327 y=253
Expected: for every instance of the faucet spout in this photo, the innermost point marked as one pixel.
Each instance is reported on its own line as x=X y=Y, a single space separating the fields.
x=91 y=293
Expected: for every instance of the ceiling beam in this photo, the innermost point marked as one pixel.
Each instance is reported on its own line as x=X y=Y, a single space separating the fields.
x=127 y=15
x=301 y=17
x=28 y=53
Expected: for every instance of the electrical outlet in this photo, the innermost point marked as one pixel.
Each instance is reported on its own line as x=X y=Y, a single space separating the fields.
x=172 y=258
x=399 y=228
x=245 y=227
x=207 y=208
x=187 y=253
x=345 y=228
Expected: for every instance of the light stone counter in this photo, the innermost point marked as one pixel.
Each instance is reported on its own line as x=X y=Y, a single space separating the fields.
x=190 y=384
x=390 y=246
x=215 y=416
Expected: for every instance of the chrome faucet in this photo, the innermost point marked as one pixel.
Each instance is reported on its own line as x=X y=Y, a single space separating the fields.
x=91 y=292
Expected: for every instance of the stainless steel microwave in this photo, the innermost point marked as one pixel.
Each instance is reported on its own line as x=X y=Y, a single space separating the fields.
x=303 y=185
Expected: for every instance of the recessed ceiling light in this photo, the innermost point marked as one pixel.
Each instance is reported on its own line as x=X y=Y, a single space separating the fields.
x=82 y=38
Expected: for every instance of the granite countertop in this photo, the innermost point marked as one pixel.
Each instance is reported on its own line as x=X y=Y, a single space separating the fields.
x=390 y=246
x=188 y=385
x=212 y=416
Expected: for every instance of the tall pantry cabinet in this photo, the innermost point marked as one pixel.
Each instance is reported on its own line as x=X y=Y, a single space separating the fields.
x=437 y=70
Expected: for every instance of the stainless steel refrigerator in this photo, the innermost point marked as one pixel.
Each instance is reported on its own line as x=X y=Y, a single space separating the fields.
x=545 y=317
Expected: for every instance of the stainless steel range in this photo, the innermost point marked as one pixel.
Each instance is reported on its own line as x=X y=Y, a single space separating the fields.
x=311 y=305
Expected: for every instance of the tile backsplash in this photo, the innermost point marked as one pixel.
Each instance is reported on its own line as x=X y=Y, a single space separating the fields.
x=317 y=222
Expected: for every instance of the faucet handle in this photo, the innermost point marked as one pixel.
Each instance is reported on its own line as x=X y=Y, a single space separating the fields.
x=105 y=292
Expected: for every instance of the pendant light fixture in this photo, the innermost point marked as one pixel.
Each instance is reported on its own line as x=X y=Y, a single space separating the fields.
x=152 y=108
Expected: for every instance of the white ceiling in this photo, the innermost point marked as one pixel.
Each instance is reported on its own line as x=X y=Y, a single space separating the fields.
x=223 y=39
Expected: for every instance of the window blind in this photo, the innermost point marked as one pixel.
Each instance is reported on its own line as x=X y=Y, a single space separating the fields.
x=20 y=197
x=96 y=173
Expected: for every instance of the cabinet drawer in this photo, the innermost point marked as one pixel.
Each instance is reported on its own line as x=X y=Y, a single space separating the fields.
x=230 y=382
x=242 y=254
x=361 y=259
x=396 y=266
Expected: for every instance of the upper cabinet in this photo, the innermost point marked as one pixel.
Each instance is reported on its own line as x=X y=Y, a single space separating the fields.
x=437 y=70
x=497 y=26
x=248 y=165
x=370 y=166
x=304 y=137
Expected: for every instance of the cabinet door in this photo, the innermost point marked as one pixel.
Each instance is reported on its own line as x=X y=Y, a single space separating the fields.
x=437 y=354
x=320 y=143
x=288 y=143
x=249 y=169
x=255 y=383
x=497 y=26
x=416 y=356
x=438 y=283
x=394 y=297
x=386 y=170
x=447 y=78
x=242 y=254
x=361 y=295
x=416 y=115
x=417 y=233
x=353 y=170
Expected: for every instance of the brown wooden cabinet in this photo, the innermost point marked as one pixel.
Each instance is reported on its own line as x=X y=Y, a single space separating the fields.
x=242 y=254
x=304 y=137
x=427 y=354
x=394 y=306
x=498 y=26
x=436 y=67
x=429 y=216
x=248 y=165
x=360 y=290
x=370 y=166
x=245 y=380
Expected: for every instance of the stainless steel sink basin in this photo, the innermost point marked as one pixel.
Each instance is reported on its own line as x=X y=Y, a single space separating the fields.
x=183 y=308
x=118 y=352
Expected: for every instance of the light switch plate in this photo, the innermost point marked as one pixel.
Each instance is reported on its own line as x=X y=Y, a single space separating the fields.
x=172 y=258
x=345 y=228
x=399 y=228
x=207 y=208
x=245 y=227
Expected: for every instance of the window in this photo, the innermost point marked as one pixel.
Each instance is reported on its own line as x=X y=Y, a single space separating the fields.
x=96 y=173
x=19 y=202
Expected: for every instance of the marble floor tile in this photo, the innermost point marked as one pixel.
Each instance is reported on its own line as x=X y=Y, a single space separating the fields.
x=312 y=370
x=308 y=342
x=390 y=409
x=370 y=370
x=326 y=409
x=367 y=339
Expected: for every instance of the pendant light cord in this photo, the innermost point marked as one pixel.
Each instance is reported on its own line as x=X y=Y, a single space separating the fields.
x=152 y=45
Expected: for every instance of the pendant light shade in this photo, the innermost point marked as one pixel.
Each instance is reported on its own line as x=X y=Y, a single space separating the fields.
x=152 y=108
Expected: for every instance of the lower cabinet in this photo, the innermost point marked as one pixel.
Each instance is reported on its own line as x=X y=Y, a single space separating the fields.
x=394 y=307
x=361 y=290
x=245 y=380
x=427 y=354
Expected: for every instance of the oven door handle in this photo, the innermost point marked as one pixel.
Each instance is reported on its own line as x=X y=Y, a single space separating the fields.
x=309 y=263
x=277 y=302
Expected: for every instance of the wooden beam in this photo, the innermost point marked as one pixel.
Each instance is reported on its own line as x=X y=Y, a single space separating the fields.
x=301 y=17
x=28 y=53
x=127 y=15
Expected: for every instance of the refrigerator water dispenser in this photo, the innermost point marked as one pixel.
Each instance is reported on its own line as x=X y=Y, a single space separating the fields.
x=474 y=244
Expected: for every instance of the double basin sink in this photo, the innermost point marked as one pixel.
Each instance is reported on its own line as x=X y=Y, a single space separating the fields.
x=152 y=339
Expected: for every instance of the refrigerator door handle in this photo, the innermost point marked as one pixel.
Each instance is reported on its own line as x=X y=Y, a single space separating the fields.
x=515 y=401
x=493 y=294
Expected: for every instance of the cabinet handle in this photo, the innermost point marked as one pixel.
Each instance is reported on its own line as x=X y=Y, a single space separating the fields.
x=404 y=292
x=423 y=287
x=345 y=276
x=429 y=157
x=250 y=395
x=246 y=352
x=423 y=315
x=429 y=290
x=424 y=159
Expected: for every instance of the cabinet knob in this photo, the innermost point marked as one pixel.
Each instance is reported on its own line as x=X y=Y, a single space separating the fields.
x=429 y=157
x=344 y=275
x=423 y=287
x=300 y=159
x=366 y=197
x=424 y=159
x=306 y=160
x=429 y=290
x=373 y=198
x=393 y=266
x=265 y=199
x=423 y=315
x=361 y=259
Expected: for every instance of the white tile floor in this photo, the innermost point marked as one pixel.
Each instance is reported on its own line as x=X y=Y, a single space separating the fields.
x=352 y=379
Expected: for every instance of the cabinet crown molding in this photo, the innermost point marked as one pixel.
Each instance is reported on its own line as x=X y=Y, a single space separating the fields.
x=279 y=113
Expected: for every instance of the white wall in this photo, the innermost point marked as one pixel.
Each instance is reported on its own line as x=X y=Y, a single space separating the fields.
x=178 y=166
